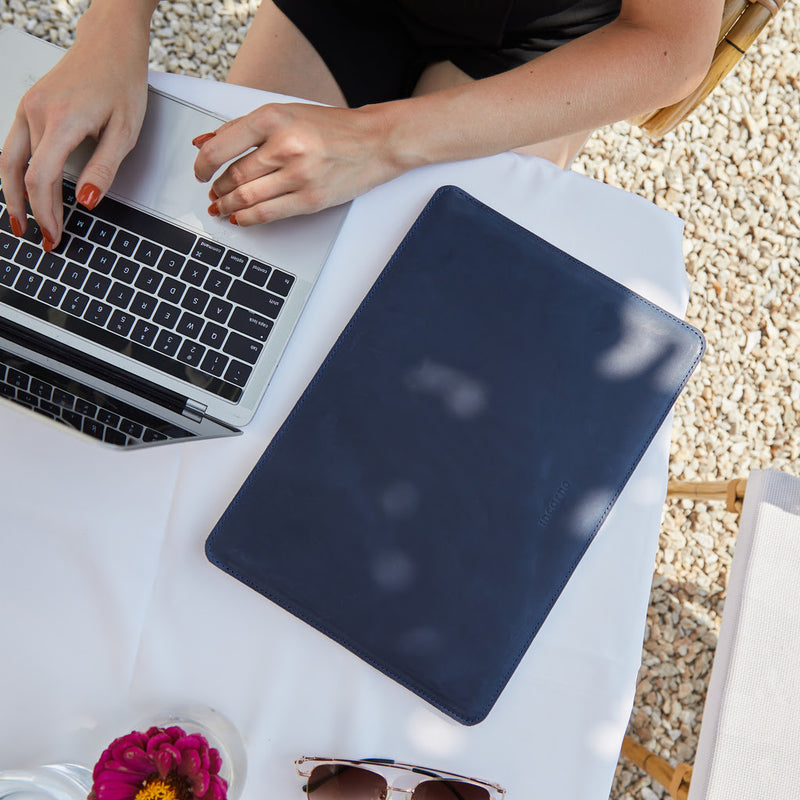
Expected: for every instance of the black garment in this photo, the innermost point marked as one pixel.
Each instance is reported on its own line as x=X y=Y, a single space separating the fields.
x=377 y=49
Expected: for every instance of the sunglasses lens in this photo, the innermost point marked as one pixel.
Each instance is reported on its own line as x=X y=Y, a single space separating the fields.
x=450 y=790
x=343 y=782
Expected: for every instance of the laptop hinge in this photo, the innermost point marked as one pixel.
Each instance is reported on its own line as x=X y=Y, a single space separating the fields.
x=194 y=411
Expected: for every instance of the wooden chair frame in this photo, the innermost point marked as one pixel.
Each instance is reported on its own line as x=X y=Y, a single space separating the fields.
x=676 y=780
x=742 y=22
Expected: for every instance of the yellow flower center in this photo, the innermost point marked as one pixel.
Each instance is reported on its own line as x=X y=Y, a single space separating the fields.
x=158 y=789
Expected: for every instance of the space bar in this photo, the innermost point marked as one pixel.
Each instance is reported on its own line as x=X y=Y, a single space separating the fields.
x=117 y=343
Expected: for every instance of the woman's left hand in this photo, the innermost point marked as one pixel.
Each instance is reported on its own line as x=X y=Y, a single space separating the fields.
x=294 y=159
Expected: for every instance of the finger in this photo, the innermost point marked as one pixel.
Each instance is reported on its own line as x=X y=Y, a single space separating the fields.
x=246 y=195
x=250 y=167
x=13 y=163
x=291 y=204
x=116 y=141
x=232 y=139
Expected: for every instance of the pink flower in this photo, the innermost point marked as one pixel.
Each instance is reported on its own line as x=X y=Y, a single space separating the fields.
x=160 y=764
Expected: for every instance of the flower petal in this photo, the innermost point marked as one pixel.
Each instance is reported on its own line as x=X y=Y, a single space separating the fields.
x=115 y=790
x=215 y=760
x=190 y=764
x=200 y=783
x=138 y=761
x=164 y=762
x=157 y=740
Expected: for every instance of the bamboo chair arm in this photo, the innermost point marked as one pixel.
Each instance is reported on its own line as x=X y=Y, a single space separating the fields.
x=732 y=492
x=742 y=22
x=675 y=780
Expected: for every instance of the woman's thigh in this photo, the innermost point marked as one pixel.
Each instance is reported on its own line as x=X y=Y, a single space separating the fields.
x=275 y=56
x=445 y=75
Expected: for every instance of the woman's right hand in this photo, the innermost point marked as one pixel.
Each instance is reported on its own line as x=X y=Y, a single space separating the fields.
x=98 y=89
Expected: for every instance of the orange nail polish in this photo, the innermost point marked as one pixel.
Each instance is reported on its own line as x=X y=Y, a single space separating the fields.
x=16 y=228
x=213 y=209
x=232 y=219
x=212 y=195
x=199 y=141
x=89 y=196
x=47 y=241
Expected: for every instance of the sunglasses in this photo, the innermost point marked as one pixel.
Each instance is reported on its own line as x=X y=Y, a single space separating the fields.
x=378 y=778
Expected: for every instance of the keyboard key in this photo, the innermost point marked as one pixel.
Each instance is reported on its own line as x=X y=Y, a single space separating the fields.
x=102 y=233
x=168 y=343
x=171 y=263
x=52 y=409
x=144 y=332
x=51 y=265
x=145 y=224
x=72 y=418
x=62 y=399
x=148 y=253
x=102 y=260
x=214 y=363
x=166 y=315
x=234 y=263
x=27 y=255
x=85 y=408
x=51 y=293
x=97 y=285
x=131 y=428
x=8 y=245
x=250 y=324
x=280 y=283
x=41 y=389
x=68 y=193
x=93 y=428
x=74 y=276
x=33 y=233
x=242 y=348
x=125 y=270
x=257 y=273
x=190 y=325
x=108 y=418
x=213 y=335
x=195 y=300
x=78 y=223
x=97 y=312
x=121 y=323
x=112 y=436
x=208 y=252
x=244 y=294
x=143 y=305
x=194 y=272
x=151 y=435
x=18 y=379
x=171 y=290
x=75 y=303
x=79 y=250
x=191 y=353
x=125 y=243
x=28 y=282
x=148 y=280
x=238 y=373
x=217 y=282
x=8 y=273
x=218 y=310
x=121 y=294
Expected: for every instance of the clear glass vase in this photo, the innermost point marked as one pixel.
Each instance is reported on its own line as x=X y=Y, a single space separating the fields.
x=54 y=781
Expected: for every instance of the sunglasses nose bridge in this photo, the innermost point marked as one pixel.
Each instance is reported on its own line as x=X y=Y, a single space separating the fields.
x=391 y=792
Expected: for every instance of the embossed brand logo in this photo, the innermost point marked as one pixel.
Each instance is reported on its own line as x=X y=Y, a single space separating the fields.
x=554 y=503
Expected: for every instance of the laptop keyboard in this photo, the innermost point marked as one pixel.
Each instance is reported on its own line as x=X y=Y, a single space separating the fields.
x=150 y=290
x=105 y=418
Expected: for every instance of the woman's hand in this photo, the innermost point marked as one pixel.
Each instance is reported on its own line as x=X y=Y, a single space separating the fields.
x=98 y=89
x=294 y=159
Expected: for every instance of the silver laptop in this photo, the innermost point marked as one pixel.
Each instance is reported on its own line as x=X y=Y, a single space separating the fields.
x=152 y=321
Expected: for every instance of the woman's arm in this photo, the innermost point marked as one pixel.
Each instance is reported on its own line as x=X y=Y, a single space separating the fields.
x=98 y=89
x=308 y=157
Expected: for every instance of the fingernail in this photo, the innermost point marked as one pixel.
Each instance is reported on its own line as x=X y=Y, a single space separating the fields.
x=16 y=228
x=88 y=196
x=48 y=243
x=232 y=219
x=199 y=141
x=213 y=209
x=212 y=195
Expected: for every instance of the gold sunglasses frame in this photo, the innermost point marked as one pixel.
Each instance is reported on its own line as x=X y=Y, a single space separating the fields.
x=375 y=765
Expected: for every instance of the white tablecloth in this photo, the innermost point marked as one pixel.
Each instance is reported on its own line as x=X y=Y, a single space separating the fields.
x=108 y=606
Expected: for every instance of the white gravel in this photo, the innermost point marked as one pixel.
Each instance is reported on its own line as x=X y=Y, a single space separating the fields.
x=732 y=174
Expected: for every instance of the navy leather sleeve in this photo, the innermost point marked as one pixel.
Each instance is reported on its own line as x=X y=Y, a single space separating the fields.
x=441 y=477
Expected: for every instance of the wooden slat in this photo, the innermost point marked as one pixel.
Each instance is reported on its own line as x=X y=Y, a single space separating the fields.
x=674 y=779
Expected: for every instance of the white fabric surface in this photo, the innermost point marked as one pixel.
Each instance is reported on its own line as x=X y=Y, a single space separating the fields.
x=750 y=739
x=108 y=606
